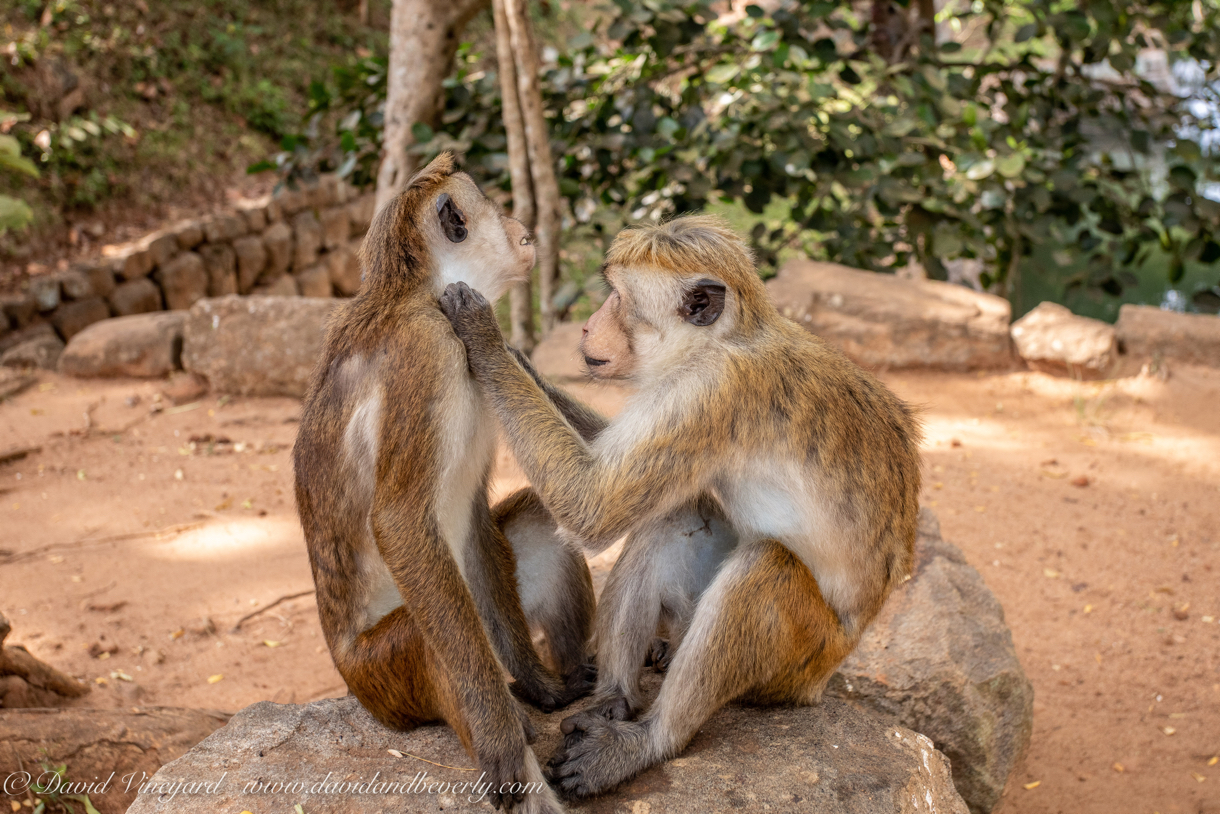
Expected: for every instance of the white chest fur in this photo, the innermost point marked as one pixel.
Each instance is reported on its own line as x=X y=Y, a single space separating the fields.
x=467 y=443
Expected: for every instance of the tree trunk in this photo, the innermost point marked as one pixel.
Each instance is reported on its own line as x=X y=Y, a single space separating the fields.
x=423 y=39
x=541 y=162
x=521 y=307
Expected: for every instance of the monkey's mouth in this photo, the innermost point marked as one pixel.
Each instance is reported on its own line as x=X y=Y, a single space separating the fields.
x=591 y=362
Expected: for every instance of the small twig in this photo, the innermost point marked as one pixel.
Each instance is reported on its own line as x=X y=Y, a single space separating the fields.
x=87 y=541
x=266 y=608
x=18 y=454
x=433 y=762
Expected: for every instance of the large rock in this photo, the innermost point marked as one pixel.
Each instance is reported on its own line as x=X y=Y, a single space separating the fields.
x=144 y=345
x=135 y=297
x=85 y=280
x=939 y=659
x=1052 y=339
x=314 y=281
x=1146 y=333
x=336 y=227
x=832 y=759
x=38 y=330
x=307 y=236
x=256 y=346
x=184 y=281
x=251 y=260
x=73 y=317
x=883 y=321
x=279 y=242
x=42 y=352
x=344 y=268
x=93 y=743
x=220 y=261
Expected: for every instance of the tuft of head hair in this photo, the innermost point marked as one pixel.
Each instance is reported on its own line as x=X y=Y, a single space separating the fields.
x=694 y=244
x=394 y=251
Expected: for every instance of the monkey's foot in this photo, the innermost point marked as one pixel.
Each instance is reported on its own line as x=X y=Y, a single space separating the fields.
x=600 y=756
x=550 y=695
x=660 y=654
x=611 y=707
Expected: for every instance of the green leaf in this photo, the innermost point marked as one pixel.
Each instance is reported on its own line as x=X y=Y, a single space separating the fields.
x=422 y=133
x=765 y=40
x=260 y=166
x=1026 y=32
x=722 y=73
x=981 y=170
x=14 y=214
x=11 y=157
x=755 y=11
x=1010 y=166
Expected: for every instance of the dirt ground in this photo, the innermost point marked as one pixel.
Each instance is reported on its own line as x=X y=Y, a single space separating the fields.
x=135 y=541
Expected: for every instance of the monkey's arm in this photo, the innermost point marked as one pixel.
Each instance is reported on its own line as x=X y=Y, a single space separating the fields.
x=584 y=419
x=598 y=498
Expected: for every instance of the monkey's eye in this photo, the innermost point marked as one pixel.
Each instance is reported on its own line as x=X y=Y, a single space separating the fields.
x=453 y=222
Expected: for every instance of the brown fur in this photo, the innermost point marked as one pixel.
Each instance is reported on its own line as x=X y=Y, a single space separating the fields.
x=369 y=462
x=813 y=465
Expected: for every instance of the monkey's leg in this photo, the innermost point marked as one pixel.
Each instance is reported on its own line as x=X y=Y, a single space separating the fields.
x=663 y=569
x=761 y=630
x=491 y=568
x=553 y=580
x=394 y=674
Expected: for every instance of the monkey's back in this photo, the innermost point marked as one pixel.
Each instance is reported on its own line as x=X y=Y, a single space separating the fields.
x=371 y=434
x=854 y=444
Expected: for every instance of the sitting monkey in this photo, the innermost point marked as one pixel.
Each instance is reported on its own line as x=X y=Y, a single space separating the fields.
x=801 y=468
x=426 y=596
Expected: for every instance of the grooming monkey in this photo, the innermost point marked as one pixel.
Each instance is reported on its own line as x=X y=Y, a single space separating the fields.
x=426 y=596
x=769 y=486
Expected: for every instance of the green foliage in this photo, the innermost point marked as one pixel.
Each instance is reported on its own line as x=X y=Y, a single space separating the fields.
x=14 y=212
x=1035 y=129
x=52 y=786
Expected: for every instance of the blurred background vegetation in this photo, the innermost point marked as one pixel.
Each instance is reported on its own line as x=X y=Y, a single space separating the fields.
x=1041 y=149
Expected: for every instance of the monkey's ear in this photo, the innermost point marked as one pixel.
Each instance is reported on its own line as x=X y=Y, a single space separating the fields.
x=453 y=222
x=703 y=304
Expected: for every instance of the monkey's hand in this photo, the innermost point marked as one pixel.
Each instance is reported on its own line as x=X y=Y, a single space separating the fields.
x=606 y=754
x=474 y=322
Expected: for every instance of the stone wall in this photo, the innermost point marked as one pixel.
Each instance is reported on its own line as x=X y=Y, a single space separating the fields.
x=297 y=242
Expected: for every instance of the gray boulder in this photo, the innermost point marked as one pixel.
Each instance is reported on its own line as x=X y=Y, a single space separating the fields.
x=307 y=236
x=282 y=286
x=1052 y=339
x=184 y=281
x=344 y=268
x=256 y=346
x=220 y=261
x=1145 y=333
x=279 y=242
x=143 y=345
x=73 y=317
x=880 y=320
x=314 y=281
x=939 y=659
x=832 y=759
x=41 y=351
x=135 y=297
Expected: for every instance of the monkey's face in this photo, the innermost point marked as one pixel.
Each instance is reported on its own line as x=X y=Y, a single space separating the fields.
x=474 y=242
x=651 y=319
